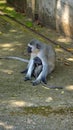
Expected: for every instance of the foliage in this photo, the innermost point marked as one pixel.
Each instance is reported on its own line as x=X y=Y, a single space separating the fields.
x=7 y=9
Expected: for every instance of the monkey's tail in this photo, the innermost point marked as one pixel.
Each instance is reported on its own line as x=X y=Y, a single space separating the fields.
x=51 y=87
x=15 y=58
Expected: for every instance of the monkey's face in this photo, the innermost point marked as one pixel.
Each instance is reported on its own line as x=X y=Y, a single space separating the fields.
x=29 y=49
x=34 y=47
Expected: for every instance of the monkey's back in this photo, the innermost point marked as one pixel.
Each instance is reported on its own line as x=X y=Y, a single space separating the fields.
x=51 y=57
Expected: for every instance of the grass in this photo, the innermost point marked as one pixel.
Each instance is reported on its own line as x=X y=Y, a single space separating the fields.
x=11 y=12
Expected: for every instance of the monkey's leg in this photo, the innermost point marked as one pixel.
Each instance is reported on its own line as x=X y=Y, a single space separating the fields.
x=30 y=70
x=37 y=68
x=42 y=76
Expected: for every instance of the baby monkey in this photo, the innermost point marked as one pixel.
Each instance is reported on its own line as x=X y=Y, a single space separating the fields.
x=41 y=63
x=37 y=68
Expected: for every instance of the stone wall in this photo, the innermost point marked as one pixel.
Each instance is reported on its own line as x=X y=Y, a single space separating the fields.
x=45 y=9
x=47 y=12
x=57 y=14
x=64 y=16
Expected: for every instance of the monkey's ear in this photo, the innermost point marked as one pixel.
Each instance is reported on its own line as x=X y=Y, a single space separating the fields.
x=38 y=46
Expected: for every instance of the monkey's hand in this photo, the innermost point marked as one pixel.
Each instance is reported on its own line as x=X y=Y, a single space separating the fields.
x=26 y=78
x=36 y=82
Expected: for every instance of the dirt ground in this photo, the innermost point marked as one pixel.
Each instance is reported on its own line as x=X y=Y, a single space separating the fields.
x=23 y=106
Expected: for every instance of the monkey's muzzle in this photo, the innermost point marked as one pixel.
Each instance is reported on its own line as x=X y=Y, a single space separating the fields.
x=29 y=49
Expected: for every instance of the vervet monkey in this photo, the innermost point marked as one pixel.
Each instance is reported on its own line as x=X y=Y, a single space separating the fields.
x=46 y=54
x=41 y=63
x=37 y=64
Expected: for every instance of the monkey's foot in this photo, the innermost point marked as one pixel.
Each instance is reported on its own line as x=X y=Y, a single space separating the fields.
x=34 y=83
x=24 y=71
x=44 y=80
x=26 y=78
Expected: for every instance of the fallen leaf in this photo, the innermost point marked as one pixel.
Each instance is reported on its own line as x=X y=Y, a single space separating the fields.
x=70 y=49
x=67 y=64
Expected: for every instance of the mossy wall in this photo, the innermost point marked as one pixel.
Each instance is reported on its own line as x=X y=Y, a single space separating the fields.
x=57 y=14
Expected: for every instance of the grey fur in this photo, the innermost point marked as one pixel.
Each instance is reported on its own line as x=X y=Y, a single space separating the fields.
x=47 y=55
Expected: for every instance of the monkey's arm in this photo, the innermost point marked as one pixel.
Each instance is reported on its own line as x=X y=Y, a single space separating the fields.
x=15 y=58
x=42 y=76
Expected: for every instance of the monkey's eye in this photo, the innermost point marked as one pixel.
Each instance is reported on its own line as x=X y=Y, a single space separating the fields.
x=32 y=43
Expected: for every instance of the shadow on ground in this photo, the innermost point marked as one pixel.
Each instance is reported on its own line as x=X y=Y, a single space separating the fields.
x=22 y=106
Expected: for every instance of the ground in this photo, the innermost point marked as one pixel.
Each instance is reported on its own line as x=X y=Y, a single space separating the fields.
x=23 y=106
